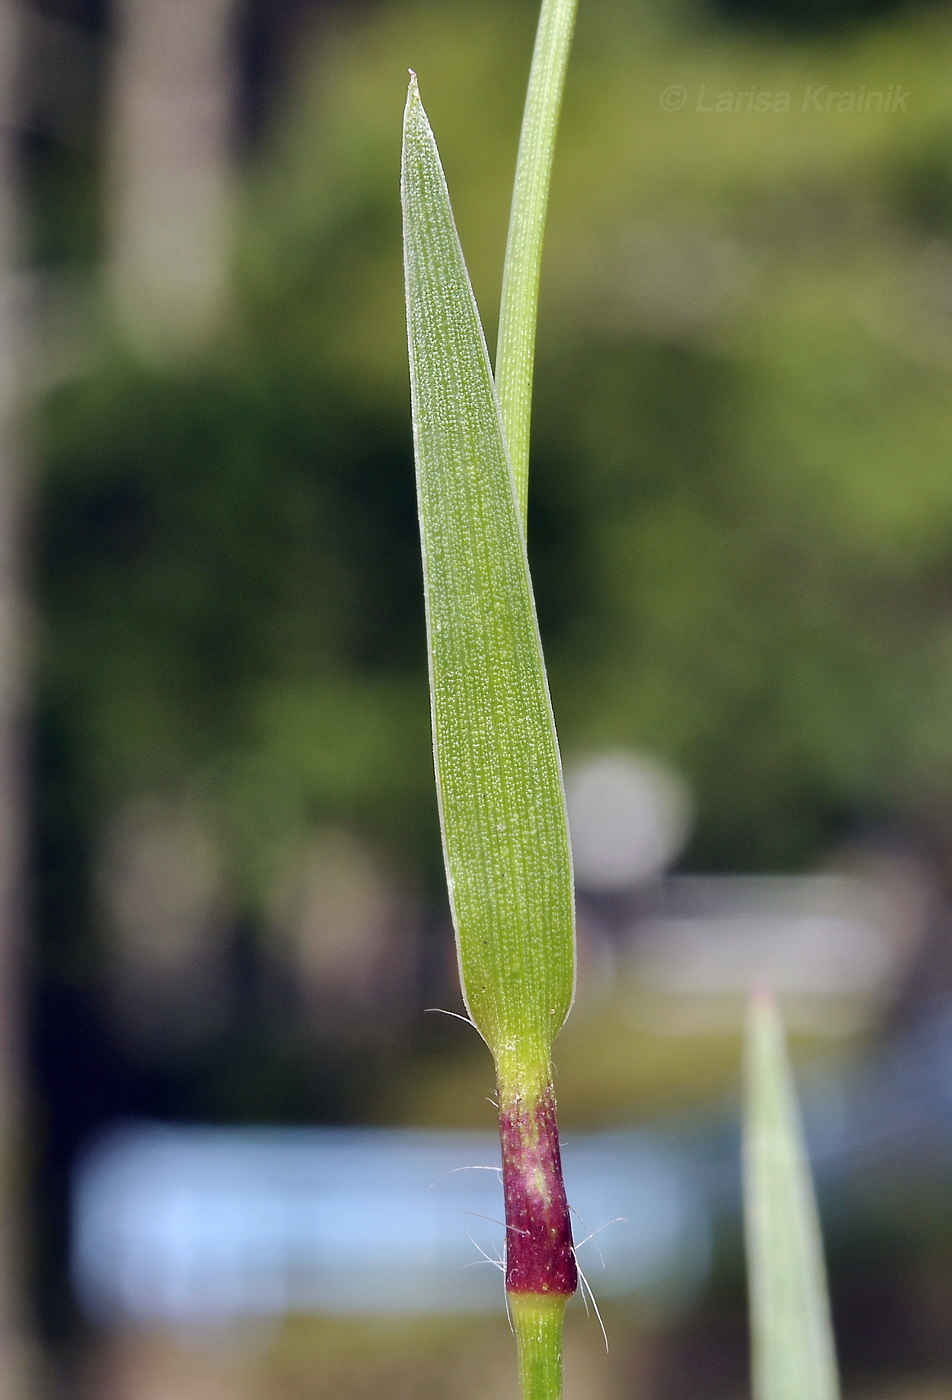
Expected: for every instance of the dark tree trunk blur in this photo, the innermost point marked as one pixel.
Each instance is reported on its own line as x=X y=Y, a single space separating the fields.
x=15 y=1354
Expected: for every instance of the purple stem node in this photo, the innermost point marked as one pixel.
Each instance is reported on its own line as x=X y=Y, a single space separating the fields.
x=539 y=1253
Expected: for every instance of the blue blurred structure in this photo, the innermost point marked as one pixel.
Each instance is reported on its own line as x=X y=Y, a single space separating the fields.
x=201 y=1226
x=193 y=1227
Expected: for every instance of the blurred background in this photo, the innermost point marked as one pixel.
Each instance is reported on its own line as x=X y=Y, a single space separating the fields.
x=230 y=1128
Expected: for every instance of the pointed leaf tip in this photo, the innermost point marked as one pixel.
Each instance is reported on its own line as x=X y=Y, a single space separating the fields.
x=793 y=1351
x=413 y=96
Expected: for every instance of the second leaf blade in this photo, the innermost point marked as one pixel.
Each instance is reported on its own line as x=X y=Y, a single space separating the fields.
x=791 y=1332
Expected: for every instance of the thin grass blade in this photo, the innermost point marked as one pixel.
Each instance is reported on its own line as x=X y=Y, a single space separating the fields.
x=515 y=351
x=791 y=1332
x=501 y=803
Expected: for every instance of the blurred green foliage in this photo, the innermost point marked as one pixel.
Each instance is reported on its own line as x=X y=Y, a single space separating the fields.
x=741 y=528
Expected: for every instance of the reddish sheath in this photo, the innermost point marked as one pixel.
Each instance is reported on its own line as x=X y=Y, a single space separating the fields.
x=539 y=1254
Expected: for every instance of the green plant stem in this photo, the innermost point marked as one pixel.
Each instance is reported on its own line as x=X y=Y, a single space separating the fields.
x=537 y=1322
x=515 y=350
x=502 y=807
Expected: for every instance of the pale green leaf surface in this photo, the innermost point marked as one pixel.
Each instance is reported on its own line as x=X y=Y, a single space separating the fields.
x=791 y=1333
x=502 y=809
x=515 y=350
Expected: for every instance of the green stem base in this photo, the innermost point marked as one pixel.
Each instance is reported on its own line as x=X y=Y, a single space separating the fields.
x=537 y=1320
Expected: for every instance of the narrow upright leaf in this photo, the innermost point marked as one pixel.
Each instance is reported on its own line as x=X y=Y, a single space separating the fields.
x=500 y=791
x=515 y=352
x=791 y=1333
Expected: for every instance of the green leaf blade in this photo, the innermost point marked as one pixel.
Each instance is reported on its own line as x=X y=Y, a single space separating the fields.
x=515 y=350
x=791 y=1332
x=502 y=809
